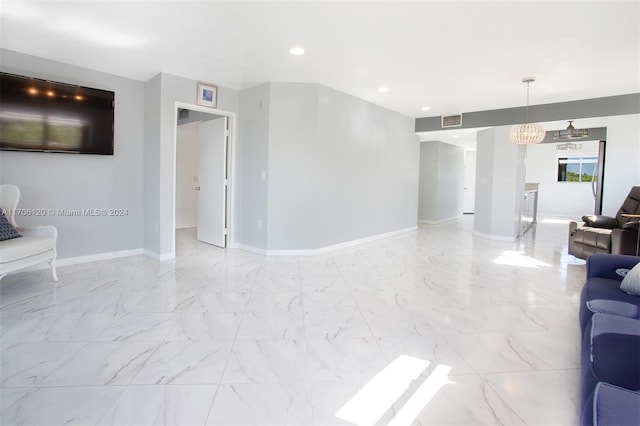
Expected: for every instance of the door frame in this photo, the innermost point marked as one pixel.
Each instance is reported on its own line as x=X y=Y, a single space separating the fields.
x=602 y=156
x=231 y=169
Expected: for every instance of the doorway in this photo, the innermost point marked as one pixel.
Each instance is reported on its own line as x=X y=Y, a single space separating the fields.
x=202 y=197
x=569 y=175
x=469 y=195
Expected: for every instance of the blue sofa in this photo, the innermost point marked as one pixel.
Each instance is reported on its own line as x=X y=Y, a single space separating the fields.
x=610 y=359
x=601 y=292
x=611 y=405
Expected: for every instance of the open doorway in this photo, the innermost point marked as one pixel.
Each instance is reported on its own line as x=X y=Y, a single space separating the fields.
x=469 y=195
x=203 y=168
x=570 y=177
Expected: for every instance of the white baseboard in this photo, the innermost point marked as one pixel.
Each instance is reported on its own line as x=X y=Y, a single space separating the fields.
x=67 y=261
x=252 y=249
x=327 y=249
x=437 y=222
x=494 y=237
x=160 y=257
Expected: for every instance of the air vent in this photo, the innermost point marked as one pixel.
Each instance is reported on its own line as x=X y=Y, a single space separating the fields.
x=452 y=121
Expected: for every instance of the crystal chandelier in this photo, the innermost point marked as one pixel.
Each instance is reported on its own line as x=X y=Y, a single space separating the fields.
x=527 y=133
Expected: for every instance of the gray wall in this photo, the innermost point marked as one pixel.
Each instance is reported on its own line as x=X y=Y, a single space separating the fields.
x=79 y=181
x=622 y=165
x=496 y=184
x=251 y=161
x=160 y=121
x=340 y=168
x=441 y=181
x=151 y=170
x=295 y=162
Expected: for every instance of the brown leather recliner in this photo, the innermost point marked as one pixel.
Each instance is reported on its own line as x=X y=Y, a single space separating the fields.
x=604 y=234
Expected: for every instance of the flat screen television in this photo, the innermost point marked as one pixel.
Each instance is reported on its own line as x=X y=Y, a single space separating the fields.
x=46 y=116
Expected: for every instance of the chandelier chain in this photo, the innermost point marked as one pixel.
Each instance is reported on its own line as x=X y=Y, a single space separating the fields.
x=527 y=110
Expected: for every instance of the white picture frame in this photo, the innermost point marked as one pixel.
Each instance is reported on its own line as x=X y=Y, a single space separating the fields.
x=207 y=95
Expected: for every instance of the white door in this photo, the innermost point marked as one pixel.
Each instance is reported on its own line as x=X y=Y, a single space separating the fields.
x=212 y=173
x=469 y=198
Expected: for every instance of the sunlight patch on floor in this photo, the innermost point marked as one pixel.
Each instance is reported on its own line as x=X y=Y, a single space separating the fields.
x=376 y=397
x=421 y=397
x=518 y=258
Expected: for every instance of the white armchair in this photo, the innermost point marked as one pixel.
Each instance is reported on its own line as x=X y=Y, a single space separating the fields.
x=37 y=244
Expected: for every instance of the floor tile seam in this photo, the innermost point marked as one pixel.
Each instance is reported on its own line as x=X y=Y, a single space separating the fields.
x=486 y=382
x=29 y=391
x=156 y=349
x=532 y=372
x=546 y=330
x=533 y=354
x=457 y=353
x=137 y=385
x=262 y=382
x=233 y=345
x=351 y=291
x=480 y=371
x=23 y=298
x=35 y=387
x=113 y=405
x=66 y=360
x=372 y=335
x=306 y=350
x=547 y=368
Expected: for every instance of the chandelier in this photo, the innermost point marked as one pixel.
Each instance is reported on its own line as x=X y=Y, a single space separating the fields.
x=527 y=133
x=570 y=133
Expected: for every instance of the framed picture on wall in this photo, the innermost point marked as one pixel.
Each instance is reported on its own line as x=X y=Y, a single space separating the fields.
x=207 y=95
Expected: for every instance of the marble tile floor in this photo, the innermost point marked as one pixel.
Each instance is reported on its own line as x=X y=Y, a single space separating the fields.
x=432 y=327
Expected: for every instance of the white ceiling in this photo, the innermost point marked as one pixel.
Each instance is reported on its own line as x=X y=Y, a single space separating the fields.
x=451 y=55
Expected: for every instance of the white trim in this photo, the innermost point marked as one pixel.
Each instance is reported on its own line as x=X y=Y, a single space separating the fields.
x=326 y=249
x=97 y=257
x=158 y=256
x=250 y=248
x=68 y=261
x=437 y=222
x=231 y=174
x=493 y=237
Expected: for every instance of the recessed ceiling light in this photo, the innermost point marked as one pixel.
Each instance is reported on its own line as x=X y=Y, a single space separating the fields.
x=425 y=108
x=456 y=136
x=296 y=51
x=383 y=89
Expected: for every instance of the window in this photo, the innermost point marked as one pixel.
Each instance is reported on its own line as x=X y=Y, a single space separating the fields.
x=577 y=169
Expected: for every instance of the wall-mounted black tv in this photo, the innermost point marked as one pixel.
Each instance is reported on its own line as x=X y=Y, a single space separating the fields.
x=46 y=116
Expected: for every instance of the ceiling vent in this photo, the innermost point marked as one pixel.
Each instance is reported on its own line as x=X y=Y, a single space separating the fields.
x=452 y=121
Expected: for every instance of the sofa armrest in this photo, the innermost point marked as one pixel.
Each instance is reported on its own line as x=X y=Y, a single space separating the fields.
x=599 y=221
x=574 y=226
x=605 y=265
x=623 y=241
x=39 y=231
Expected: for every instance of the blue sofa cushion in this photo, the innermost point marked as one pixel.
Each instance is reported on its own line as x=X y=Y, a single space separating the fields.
x=610 y=353
x=611 y=405
x=603 y=295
